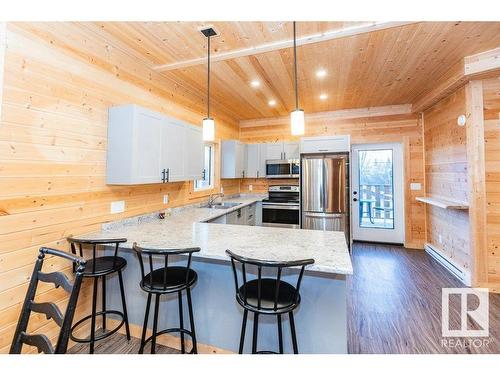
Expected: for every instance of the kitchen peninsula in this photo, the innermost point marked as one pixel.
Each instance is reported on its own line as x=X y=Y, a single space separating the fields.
x=320 y=319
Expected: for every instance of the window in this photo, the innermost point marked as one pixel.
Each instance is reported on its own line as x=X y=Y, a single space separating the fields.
x=207 y=182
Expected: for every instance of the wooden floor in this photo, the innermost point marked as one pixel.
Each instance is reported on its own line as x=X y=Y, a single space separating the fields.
x=394 y=303
x=394 y=306
x=118 y=344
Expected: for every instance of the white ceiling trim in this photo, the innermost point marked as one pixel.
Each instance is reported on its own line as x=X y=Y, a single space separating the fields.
x=268 y=47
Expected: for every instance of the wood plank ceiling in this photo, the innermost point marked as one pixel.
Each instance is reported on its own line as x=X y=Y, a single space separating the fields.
x=391 y=66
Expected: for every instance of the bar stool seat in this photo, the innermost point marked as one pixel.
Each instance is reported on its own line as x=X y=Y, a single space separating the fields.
x=177 y=278
x=101 y=266
x=285 y=302
x=166 y=280
x=268 y=296
x=98 y=268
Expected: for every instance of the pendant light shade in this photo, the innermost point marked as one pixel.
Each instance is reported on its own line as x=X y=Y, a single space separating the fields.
x=297 y=119
x=208 y=122
x=208 y=129
x=297 y=122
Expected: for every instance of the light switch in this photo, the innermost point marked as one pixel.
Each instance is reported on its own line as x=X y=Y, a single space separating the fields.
x=415 y=186
x=222 y=190
x=165 y=199
x=250 y=187
x=117 y=207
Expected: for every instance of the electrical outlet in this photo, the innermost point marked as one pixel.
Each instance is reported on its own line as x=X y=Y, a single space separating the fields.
x=222 y=190
x=415 y=186
x=250 y=187
x=117 y=207
x=165 y=199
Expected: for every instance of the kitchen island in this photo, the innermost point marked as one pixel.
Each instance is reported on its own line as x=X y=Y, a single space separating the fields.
x=321 y=320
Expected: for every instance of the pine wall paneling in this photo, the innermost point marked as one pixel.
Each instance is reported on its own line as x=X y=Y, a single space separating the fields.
x=404 y=128
x=491 y=97
x=52 y=155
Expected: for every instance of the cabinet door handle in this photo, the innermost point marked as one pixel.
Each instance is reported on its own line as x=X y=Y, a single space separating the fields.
x=163 y=174
x=168 y=174
x=204 y=174
x=257 y=174
x=284 y=155
x=243 y=174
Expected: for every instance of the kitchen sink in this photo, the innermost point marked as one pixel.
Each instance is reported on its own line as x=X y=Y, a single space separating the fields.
x=223 y=205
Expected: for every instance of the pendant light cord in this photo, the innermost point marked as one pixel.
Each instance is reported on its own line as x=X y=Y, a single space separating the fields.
x=208 y=80
x=295 y=65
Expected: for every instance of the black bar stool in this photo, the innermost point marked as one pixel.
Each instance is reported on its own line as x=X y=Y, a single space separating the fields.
x=51 y=311
x=100 y=267
x=166 y=280
x=270 y=296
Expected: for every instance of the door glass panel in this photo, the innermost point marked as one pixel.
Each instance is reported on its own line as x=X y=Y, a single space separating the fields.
x=376 y=189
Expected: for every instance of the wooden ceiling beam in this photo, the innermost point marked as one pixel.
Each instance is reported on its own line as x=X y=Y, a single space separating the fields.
x=288 y=43
x=387 y=110
x=480 y=66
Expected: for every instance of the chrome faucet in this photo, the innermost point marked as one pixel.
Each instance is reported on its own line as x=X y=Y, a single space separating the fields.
x=213 y=197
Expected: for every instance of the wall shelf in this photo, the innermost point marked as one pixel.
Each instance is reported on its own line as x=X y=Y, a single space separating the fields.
x=444 y=203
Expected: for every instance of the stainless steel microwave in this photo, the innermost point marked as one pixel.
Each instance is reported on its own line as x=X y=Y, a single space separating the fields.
x=283 y=168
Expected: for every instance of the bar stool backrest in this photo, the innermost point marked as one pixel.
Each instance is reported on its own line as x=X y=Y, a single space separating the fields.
x=262 y=264
x=50 y=309
x=151 y=256
x=81 y=244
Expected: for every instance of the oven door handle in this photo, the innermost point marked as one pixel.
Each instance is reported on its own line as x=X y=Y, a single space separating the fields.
x=280 y=207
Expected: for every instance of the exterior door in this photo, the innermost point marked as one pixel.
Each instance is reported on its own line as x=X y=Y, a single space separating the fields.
x=377 y=194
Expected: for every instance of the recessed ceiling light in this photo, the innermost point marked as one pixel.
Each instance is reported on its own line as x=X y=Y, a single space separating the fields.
x=321 y=73
x=272 y=102
x=323 y=96
x=255 y=83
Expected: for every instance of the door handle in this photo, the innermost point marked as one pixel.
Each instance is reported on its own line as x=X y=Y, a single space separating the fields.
x=163 y=173
x=355 y=199
x=354 y=192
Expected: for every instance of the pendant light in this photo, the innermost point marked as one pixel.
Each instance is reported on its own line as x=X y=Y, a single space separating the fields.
x=208 y=122
x=297 y=121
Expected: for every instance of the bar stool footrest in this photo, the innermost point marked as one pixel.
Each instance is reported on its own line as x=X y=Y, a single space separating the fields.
x=265 y=352
x=103 y=335
x=172 y=330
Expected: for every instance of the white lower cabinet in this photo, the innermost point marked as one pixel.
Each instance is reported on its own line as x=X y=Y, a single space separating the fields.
x=248 y=215
x=146 y=147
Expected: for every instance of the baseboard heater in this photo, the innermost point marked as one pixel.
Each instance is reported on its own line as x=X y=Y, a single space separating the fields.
x=446 y=263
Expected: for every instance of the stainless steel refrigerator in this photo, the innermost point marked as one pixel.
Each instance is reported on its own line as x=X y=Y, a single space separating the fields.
x=324 y=192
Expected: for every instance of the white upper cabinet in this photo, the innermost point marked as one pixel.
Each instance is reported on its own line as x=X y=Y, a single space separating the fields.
x=291 y=150
x=193 y=160
x=146 y=147
x=311 y=145
x=233 y=155
x=274 y=151
x=282 y=150
x=173 y=140
x=255 y=160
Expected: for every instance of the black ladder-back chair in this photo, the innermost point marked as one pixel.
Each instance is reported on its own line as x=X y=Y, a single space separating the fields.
x=270 y=296
x=100 y=267
x=165 y=280
x=50 y=309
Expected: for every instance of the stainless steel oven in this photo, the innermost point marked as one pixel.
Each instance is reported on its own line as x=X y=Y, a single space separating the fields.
x=282 y=208
x=280 y=168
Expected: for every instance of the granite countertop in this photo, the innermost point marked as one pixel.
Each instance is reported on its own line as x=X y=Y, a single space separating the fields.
x=187 y=227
